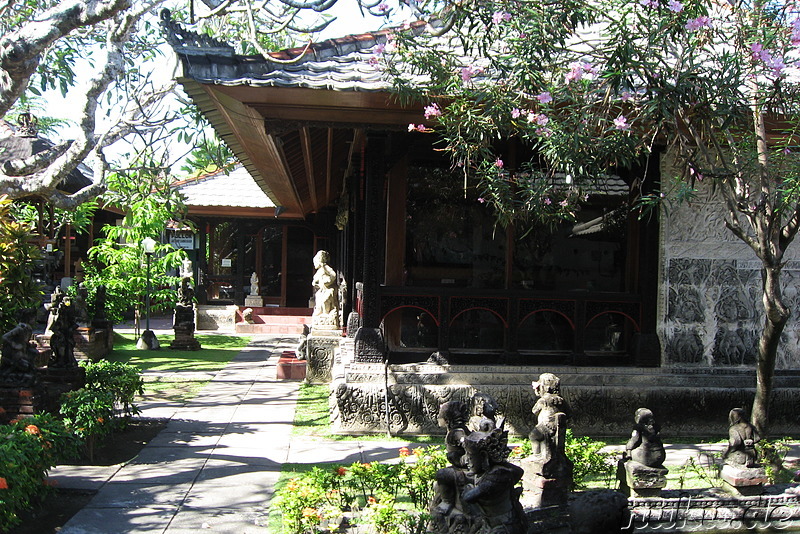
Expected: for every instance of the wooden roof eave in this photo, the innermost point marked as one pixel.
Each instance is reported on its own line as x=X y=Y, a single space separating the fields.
x=242 y=129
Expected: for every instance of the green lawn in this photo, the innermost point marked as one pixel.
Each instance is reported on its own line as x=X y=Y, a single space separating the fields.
x=216 y=352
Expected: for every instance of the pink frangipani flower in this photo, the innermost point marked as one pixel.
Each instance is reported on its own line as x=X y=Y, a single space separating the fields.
x=432 y=111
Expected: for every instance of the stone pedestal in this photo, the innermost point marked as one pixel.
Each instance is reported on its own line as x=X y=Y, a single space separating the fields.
x=370 y=346
x=254 y=301
x=541 y=490
x=642 y=481
x=320 y=351
x=93 y=343
x=183 y=324
x=745 y=481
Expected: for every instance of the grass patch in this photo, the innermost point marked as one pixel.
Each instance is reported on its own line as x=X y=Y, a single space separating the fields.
x=217 y=351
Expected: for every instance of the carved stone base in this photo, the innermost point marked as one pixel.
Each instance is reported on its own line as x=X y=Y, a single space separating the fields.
x=746 y=481
x=93 y=343
x=254 y=301
x=370 y=346
x=546 y=485
x=183 y=325
x=319 y=357
x=643 y=481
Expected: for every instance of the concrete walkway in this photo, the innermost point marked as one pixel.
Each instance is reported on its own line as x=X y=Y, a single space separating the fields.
x=214 y=466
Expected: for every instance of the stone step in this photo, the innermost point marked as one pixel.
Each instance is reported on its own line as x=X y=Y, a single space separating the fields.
x=269 y=328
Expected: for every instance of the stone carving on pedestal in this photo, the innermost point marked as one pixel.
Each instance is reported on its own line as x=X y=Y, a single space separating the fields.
x=641 y=471
x=18 y=354
x=254 y=299
x=326 y=294
x=477 y=493
x=741 y=473
x=548 y=471
x=62 y=342
x=52 y=308
x=326 y=330
x=484 y=413
x=183 y=321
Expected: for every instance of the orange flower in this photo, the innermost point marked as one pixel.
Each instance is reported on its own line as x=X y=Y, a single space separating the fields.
x=341 y=471
x=418 y=451
x=371 y=500
x=309 y=512
x=404 y=451
x=100 y=420
x=3 y=483
x=32 y=429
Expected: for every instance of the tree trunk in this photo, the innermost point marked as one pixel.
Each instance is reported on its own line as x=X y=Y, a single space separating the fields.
x=776 y=316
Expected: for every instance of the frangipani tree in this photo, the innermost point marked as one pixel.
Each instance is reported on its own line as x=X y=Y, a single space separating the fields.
x=594 y=86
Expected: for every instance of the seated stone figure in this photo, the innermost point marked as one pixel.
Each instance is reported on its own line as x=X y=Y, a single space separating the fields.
x=18 y=353
x=645 y=445
x=742 y=439
x=485 y=496
x=484 y=413
x=742 y=474
x=642 y=470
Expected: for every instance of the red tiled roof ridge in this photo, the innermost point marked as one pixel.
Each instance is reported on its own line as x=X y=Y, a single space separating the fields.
x=290 y=54
x=202 y=177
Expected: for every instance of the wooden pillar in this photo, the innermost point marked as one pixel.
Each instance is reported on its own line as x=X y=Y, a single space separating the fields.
x=284 y=263
x=369 y=343
x=396 y=198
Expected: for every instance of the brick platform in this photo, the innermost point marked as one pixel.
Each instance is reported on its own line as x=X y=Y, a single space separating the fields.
x=290 y=368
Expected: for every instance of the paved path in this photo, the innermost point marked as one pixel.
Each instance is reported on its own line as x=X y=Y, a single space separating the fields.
x=214 y=466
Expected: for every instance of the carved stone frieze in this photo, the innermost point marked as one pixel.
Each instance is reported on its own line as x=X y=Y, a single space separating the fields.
x=320 y=354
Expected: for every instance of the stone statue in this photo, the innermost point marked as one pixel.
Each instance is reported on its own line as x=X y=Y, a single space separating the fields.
x=453 y=417
x=548 y=471
x=52 y=308
x=183 y=320
x=484 y=496
x=18 y=353
x=484 y=413
x=100 y=319
x=326 y=301
x=254 y=285
x=742 y=474
x=79 y=305
x=742 y=439
x=186 y=269
x=641 y=470
x=645 y=446
x=62 y=342
x=186 y=292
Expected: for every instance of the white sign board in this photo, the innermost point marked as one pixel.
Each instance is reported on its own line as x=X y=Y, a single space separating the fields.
x=227 y=262
x=185 y=242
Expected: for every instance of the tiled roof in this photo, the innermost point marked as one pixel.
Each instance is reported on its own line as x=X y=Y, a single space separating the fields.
x=341 y=64
x=237 y=189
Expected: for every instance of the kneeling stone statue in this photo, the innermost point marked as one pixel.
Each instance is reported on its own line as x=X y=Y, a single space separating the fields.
x=641 y=470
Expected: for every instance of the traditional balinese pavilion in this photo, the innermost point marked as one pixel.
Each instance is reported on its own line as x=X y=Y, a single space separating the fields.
x=446 y=303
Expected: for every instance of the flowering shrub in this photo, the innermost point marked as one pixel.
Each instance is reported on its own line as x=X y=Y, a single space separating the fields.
x=88 y=413
x=28 y=448
x=393 y=497
x=122 y=380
